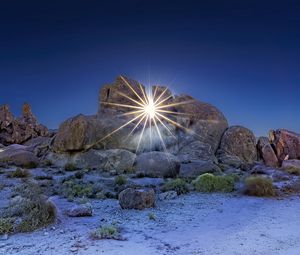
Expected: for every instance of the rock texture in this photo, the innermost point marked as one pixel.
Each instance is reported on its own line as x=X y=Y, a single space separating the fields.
x=20 y=130
x=157 y=164
x=286 y=143
x=196 y=168
x=292 y=166
x=237 y=144
x=84 y=210
x=137 y=198
x=266 y=152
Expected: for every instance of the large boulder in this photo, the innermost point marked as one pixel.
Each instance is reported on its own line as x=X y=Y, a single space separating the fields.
x=137 y=198
x=238 y=143
x=196 y=168
x=286 y=143
x=104 y=160
x=266 y=152
x=21 y=129
x=18 y=155
x=199 y=121
x=157 y=164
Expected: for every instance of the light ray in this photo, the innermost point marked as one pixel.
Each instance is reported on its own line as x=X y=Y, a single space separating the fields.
x=138 y=145
x=165 y=126
x=159 y=134
x=127 y=83
x=131 y=99
x=162 y=93
x=175 y=104
x=124 y=105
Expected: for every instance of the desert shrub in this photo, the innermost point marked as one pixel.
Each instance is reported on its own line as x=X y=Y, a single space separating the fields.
x=292 y=170
x=72 y=189
x=178 y=185
x=6 y=226
x=130 y=170
x=32 y=207
x=30 y=165
x=79 y=174
x=70 y=167
x=19 y=173
x=106 y=232
x=47 y=162
x=211 y=183
x=151 y=216
x=43 y=177
x=259 y=186
x=120 y=180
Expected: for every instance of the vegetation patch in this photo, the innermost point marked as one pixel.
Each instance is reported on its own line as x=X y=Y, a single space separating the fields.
x=6 y=226
x=259 y=186
x=75 y=188
x=120 y=180
x=292 y=170
x=31 y=207
x=19 y=173
x=106 y=232
x=178 y=185
x=30 y=165
x=211 y=183
x=70 y=167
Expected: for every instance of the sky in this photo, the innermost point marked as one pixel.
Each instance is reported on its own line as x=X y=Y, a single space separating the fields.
x=241 y=56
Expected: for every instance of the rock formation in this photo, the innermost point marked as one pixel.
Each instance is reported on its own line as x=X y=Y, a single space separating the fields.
x=20 y=130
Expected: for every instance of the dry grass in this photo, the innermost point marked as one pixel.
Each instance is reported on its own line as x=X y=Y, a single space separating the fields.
x=259 y=186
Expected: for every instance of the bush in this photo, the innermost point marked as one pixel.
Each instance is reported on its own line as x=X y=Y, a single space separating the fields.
x=211 y=183
x=19 y=173
x=151 y=216
x=73 y=188
x=259 y=186
x=32 y=207
x=292 y=170
x=6 y=226
x=30 y=165
x=106 y=232
x=178 y=185
x=70 y=167
x=120 y=180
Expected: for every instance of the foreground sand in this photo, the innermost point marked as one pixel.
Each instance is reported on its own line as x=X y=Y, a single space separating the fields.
x=191 y=224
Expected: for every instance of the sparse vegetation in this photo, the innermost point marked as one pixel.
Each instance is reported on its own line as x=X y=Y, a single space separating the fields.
x=211 y=183
x=178 y=185
x=32 y=207
x=120 y=180
x=72 y=189
x=6 y=226
x=151 y=216
x=106 y=232
x=259 y=186
x=70 y=167
x=19 y=173
x=30 y=165
x=130 y=170
x=47 y=162
x=292 y=170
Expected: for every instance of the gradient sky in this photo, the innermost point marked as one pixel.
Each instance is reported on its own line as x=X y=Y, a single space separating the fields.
x=241 y=56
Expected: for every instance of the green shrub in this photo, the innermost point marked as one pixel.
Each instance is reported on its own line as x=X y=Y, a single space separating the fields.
x=178 y=185
x=19 y=173
x=32 y=207
x=47 y=162
x=120 y=180
x=211 y=183
x=130 y=170
x=70 y=167
x=30 y=165
x=151 y=216
x=292 y=170
x=72 y=189
x=259 y=186
x=106 y=232
x=6 y=226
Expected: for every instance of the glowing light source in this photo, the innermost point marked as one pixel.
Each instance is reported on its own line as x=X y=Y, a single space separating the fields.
x=148 y=109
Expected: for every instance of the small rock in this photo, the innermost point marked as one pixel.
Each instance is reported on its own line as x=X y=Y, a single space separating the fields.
x=168 y=195
x=137 y=198
x=84 y=210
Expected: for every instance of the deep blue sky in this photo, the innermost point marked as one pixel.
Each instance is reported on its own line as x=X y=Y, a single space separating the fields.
x=242 y=56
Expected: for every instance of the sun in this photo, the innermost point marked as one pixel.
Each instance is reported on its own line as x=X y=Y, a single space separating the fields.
x=148 y=109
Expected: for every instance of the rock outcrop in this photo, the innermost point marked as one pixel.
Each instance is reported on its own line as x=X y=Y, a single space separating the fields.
x=286 y=144
x=266 y=152
x=137 y=198
x=238 y=145
x=20 y=130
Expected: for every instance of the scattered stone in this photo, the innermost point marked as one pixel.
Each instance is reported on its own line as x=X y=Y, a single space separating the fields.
x=157 y=164
x=137 y=198
x=83 y=210
x=168 y=195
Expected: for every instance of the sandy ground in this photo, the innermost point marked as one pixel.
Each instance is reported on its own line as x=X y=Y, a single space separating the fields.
x=191 y=224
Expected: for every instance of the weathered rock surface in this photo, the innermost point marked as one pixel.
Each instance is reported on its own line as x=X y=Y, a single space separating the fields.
x=137 y=198
x=18 y=155
x=266 y=152
x=105 y=160
x=20 y=130
x=168 y=195
x=237 y=143
x=157 y=164
x=196 y=168
x=83 y=210
x=286 y=143
x=291 y=165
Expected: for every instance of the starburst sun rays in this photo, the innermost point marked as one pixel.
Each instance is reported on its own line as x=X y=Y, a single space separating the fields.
x=148 y=109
